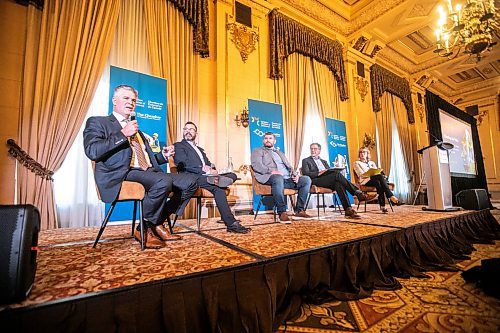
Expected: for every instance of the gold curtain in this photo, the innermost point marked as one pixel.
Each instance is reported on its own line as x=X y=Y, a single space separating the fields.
x=384 y=129
x=171 y=53
x=383 y=80
x=326 y=92
x=58 y=86
x=287 y=36
x=407 y=138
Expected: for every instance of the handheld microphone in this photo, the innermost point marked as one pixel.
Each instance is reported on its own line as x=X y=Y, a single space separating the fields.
x=132 y=118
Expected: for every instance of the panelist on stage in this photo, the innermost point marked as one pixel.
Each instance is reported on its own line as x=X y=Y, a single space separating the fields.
x=271 y=167
x=321 y=175
x=120 y=152
x=191 y=159
x=370 y=175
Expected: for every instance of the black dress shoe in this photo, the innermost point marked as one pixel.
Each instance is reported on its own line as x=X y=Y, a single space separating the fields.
x=236 y=227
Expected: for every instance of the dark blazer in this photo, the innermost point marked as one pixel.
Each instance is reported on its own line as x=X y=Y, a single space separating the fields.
x=106 y=145
x=187 y=160
x=309 y=167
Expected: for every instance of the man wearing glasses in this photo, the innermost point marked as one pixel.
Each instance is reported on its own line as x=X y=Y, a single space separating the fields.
x=190 y=158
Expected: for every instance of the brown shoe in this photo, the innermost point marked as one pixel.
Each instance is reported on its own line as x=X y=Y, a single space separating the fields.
x=164 y=234
x=150 y=240
x=303 y=214
x=351 y=214
x=367 y=197
x=284 y=218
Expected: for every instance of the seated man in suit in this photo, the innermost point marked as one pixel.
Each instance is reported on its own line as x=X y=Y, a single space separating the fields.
x=315 y=167
x=191 y=159
x=121 y=152
x=271 y=167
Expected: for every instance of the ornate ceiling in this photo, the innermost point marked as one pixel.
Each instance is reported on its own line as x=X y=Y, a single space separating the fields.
x=402 y=34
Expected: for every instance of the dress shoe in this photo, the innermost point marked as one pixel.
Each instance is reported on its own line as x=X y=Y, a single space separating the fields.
x=303 y=214
x=366 y=197
x=161 y=232
x=220 y=181
x=150 y=240
x=236 y=227
x=284 y=218
x=384 y=210
x=351 y=214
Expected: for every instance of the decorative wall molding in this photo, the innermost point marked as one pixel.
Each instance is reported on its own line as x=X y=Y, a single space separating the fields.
x=420 y=111
x=361 y=87
x=244 y=38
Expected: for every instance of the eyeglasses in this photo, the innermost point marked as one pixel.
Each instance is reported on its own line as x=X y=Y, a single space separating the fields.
x=189 y=129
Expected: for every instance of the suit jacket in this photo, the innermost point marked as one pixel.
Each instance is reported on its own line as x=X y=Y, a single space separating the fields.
x=106 y=145
x=187 y=160
x=309 y=167
x=263 y=163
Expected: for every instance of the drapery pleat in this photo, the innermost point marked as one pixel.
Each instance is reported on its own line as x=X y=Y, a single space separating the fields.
x=172 y=57
x=383 y=80
x=58 y=86
x=287 y=36
x=384 y=130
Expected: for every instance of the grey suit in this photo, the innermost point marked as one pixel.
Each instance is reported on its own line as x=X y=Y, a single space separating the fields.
x=263 y=165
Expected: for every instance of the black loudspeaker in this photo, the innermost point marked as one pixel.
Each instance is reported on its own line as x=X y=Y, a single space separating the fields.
x=243 y=14
x=475 y=199
x=473 y=110
x=19 y=227
x=360 y=69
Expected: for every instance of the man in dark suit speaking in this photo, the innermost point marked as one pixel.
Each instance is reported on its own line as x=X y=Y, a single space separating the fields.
x=318 y=169
x=191 y=159
x=121 y=152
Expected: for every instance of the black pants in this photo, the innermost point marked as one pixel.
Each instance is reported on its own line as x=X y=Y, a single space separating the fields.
x=380 y=183
x=158 y=186
x=220 y=197
x=337 y=182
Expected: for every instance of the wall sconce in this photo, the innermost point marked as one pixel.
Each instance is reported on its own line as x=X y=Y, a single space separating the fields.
x=241 y=119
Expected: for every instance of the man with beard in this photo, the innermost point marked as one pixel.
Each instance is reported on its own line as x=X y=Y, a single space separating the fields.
x=121 y=152
x=271 y=167
x=190 y=158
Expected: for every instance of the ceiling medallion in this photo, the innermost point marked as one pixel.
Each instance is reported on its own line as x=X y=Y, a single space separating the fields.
x=243 y=38
x=361 y=87
x=472 y=28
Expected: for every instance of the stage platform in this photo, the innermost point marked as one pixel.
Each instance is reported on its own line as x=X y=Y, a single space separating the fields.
x=215 y=281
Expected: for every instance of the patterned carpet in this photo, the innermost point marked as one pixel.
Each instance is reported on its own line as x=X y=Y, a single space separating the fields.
x=443 y=302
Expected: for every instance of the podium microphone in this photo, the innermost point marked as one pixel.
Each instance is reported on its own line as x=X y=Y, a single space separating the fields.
x=132 y=118
x=436 y=140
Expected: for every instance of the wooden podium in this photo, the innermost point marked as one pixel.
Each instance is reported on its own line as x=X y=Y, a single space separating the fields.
x=436 y=167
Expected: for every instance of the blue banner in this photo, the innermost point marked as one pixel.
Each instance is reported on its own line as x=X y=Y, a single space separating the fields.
x=265 y=117
x=151 y=115
x=337 y=146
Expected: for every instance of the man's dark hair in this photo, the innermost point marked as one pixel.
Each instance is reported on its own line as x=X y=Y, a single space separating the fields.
x=126 y=87
x=315 y=143
x=191 y=123
x=270 y=133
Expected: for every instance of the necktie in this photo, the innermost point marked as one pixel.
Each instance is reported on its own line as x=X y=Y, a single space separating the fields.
x=139 y=152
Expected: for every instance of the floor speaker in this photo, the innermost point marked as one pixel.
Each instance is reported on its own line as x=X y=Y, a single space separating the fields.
x=475 y=199
x=19 y=225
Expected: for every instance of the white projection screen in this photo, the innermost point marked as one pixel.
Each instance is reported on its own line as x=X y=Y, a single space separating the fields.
x=459 y=133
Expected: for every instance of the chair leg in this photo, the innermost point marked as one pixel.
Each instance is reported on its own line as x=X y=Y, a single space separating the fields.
x=104 y=223
x=274 y=213
x=198 y=213
x=307 y=201
x=390 y=204
x=258 y=207
x=337 y=204
x=359 y=203
x=133 y=217
x=142 y=224
x=170 y=227
x=365 y=206
x=317 y=203
x=292 y=203
x=324 y=205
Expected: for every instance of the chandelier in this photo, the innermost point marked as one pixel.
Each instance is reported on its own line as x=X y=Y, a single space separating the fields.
x=471 y=27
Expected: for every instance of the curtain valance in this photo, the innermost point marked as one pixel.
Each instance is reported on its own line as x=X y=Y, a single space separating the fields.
x=37 y=3
x=383 y=80
x=196 y=13
x=288 y=36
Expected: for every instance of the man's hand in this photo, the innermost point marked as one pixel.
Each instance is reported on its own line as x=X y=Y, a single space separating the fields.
x=130 y=129
x=168 y=151
x=208 y=170
x=295 y=178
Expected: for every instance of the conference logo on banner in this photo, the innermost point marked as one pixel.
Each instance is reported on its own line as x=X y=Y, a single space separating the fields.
x=265 y=117
x=338 y=147
x=151 y=115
